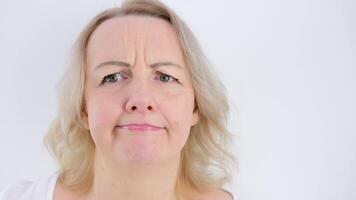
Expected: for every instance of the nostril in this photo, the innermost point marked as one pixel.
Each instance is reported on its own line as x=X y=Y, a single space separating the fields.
x=149 y=107
x=133 y=108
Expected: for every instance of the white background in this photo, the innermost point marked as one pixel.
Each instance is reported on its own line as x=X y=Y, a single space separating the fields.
x=289 y=68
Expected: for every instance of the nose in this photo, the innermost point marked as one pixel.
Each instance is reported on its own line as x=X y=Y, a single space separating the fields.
x=140 y=100
x=141 y=108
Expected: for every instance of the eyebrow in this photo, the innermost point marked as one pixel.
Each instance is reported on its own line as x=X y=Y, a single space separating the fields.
x=124 y=64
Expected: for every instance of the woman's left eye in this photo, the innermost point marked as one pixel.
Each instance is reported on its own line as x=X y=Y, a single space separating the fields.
x=166 y=78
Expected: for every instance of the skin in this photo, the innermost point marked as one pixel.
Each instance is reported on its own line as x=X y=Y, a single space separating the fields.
x=156 y=89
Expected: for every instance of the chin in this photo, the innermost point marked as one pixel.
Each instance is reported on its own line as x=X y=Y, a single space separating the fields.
x=139 y=152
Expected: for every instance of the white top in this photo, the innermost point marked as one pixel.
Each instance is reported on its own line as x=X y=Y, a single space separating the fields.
x=42 y=189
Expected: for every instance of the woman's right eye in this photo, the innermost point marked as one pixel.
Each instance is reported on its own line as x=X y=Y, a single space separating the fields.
x=112 y=78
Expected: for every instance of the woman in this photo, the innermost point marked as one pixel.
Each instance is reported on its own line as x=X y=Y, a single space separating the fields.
x=141 y=116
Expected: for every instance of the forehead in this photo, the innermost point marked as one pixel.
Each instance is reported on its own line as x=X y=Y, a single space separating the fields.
x=126 y=37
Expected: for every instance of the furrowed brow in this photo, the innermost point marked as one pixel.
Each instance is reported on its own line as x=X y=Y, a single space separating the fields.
x=124 y=64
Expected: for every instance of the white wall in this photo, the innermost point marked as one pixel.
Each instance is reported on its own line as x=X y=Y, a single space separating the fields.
x=289 y=67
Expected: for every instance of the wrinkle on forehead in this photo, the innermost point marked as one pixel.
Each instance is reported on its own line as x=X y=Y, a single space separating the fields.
x=127 y=37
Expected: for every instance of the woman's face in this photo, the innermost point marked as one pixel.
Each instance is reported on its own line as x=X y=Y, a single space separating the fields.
x=138 y=92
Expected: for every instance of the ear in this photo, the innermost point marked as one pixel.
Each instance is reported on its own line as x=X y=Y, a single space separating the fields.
x=84 y=115
x=196 y=116
x=85 y=121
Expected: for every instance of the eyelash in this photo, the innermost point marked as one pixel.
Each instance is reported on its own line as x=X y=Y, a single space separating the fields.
x=105 y=79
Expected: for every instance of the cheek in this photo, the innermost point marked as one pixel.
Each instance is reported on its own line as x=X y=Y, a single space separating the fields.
x=99 y=115
x=102 y=113
x=178 y=112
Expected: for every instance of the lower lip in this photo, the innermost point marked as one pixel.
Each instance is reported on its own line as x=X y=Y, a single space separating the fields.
x=141 y=128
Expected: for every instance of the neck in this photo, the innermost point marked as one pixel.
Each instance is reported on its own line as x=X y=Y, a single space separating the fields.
x=134 y=181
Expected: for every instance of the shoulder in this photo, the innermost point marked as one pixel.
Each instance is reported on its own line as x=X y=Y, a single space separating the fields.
x=29 y=190
x=214 y=194
x=16 y=190
x=219 y=194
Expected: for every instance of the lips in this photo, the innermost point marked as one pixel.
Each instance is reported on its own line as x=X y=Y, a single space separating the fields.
x=141 y=127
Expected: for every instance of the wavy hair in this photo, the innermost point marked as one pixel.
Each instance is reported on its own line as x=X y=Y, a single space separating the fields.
x=205 y=159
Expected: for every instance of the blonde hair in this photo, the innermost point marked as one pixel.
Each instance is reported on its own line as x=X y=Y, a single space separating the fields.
x=205 y=159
